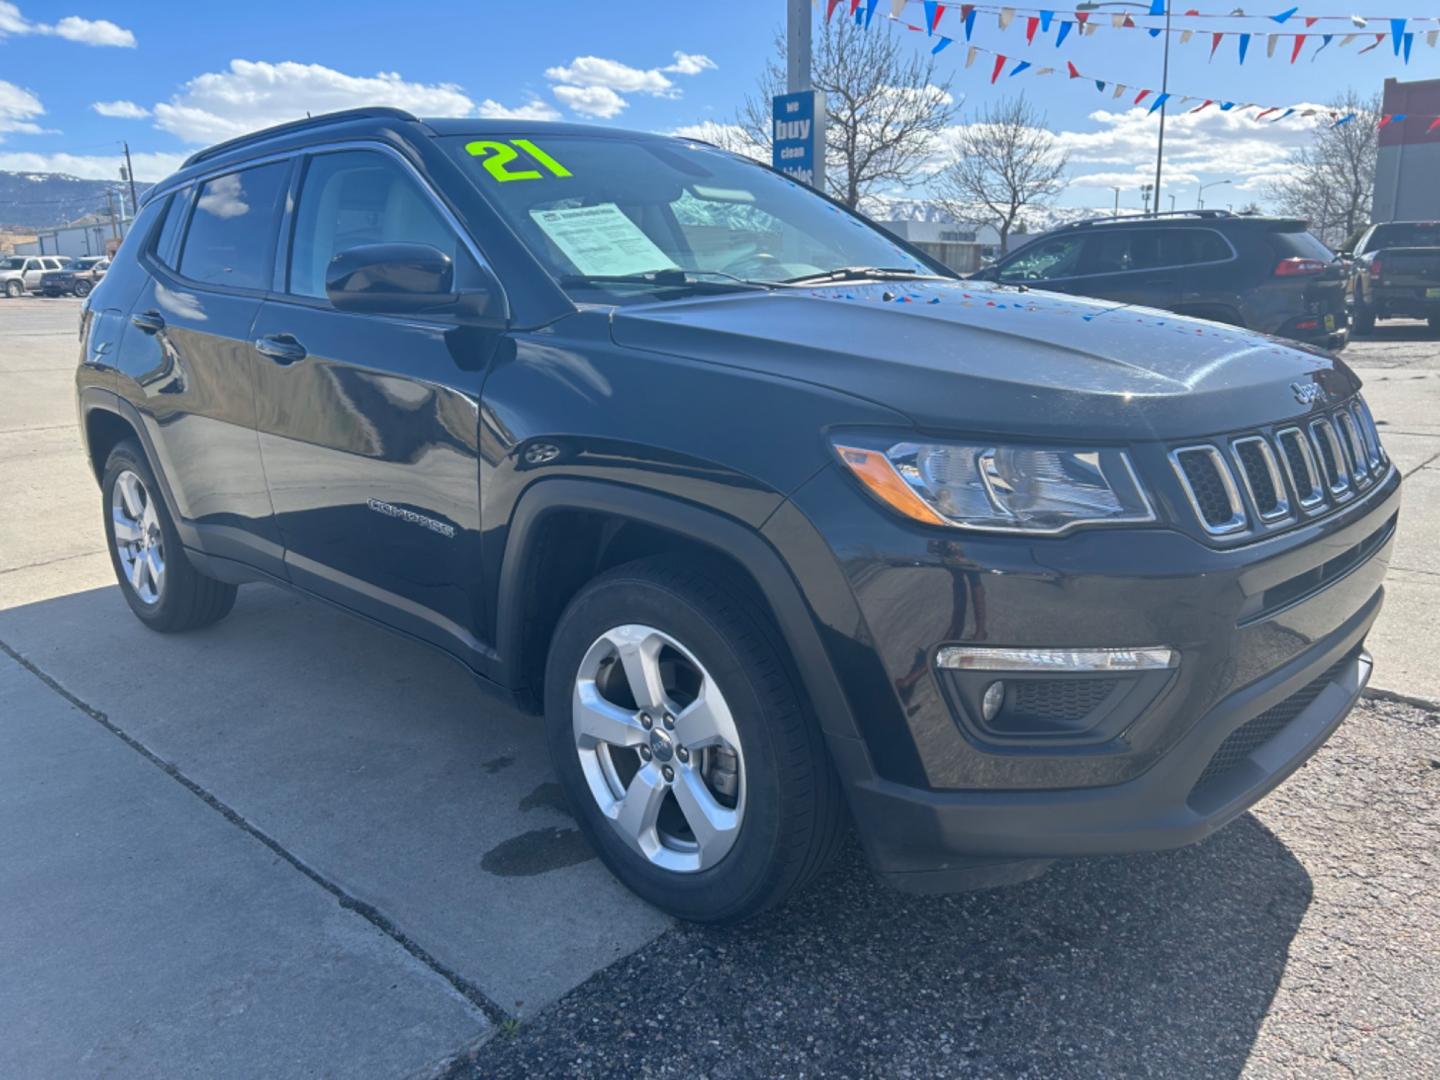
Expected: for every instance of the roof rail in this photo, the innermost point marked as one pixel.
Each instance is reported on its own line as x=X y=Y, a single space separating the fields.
x=1145 y=217
x=323 y=120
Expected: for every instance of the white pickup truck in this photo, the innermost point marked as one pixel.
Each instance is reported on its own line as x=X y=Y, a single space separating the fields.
x=20 y=274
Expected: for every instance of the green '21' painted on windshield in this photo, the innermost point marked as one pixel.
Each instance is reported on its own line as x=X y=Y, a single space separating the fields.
x=496 y=157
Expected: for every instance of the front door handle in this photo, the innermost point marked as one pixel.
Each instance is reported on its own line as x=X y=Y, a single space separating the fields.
x=152 y=322
x=282 y=348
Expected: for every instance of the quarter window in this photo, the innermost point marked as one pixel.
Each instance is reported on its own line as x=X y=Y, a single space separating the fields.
x=357 y=197
x=167 y=242
x=228 y=242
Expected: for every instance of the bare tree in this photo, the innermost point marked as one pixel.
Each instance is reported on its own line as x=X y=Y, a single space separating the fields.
x=1331 y=183
x=1005 y=160
x=885 y=107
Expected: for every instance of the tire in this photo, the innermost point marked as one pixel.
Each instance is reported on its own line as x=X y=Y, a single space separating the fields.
x=82 y=289
x=785 y=815
x=1362 y=323
x=177 y=597
x=14 y=289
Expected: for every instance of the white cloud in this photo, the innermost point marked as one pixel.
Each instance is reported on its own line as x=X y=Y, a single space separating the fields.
x=690 y=64
x=71 y=28
x=122 y=110
x=534 y=109
x=612 y=74
x=18 y=108
x=596 y=86
x=256 y=94
x=598 y=101
x=148 y=167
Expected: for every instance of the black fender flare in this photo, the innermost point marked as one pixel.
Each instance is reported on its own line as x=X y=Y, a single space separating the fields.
x=728 y=536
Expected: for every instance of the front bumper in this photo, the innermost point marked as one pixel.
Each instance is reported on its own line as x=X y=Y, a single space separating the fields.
x=939 y=809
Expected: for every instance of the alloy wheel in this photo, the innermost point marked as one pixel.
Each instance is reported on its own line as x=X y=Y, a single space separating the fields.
x=139 y=541
x=659 y=748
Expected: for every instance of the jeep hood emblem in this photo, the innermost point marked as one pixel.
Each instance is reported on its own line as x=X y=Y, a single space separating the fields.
x=1308 y=393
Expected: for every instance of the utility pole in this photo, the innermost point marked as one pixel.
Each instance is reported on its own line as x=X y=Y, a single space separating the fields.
x=130 y=175
x=110 y=204
x=1164 y=90
x=1117 y=201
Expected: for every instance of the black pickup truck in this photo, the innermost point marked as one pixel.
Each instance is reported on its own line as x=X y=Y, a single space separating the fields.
x=1396 y=273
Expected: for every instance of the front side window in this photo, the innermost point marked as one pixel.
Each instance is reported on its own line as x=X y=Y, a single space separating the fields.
x=232 y=226
x=595 y=208
x=1045 y=259
x=353 y=198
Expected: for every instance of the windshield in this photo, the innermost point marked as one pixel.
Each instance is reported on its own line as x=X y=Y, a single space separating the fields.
x=13 y=264
x=1415 y=234
x=594 y=209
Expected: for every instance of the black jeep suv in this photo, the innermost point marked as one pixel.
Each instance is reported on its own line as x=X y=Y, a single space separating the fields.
x=1267 y=274
x=779 y=525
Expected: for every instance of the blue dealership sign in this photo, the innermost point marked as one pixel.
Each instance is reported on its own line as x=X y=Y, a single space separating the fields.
x=798 y=138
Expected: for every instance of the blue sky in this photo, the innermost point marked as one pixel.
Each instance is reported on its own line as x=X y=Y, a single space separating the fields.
x=175 y=75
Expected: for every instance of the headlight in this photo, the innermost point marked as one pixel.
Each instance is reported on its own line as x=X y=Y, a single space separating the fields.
x=1029 y=489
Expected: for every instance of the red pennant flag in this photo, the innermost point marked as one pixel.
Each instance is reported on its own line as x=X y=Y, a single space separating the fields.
x=1311 y=20
x=1129 y=22
x=1433 y=125
x=830 y=9
x=939 y=10
x=1201 y=108
x=1074 y=71
x=999 y=67
x=1141 y=96
x=1193 y=11
x=1031 y=25
x=1385 y=120
x=1215 y=40
x=1082 y=17
x=1267 y=112
x=1299 y=42
x=854 y=6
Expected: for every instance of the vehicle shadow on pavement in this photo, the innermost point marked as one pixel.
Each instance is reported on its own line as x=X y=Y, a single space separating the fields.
x=1406 y=331
x=1155 y=964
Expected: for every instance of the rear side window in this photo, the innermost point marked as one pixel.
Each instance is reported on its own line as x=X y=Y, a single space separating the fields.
x=232 y=228
x=1300 y=244
x=168 y=242
x=1203 y=246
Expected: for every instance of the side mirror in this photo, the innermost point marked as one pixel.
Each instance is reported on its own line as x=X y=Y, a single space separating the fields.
x=403 y=279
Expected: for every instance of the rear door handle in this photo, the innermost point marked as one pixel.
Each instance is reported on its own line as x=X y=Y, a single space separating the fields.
x=152 y=322
x=282 y=348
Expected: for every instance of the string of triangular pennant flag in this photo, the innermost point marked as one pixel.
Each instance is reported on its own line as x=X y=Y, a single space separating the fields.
x=1002 y=64
x=1041 y=21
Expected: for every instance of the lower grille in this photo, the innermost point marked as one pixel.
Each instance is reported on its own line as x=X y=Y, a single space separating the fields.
x=1250 y=736
x=1059 y=700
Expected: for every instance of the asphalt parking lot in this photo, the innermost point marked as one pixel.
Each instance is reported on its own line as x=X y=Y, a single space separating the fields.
x=294 y=845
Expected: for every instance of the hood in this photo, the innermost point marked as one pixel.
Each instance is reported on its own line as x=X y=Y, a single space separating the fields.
x=980 y=358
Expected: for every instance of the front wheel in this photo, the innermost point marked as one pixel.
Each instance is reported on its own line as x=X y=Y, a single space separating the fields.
x=692 y=762
x=82 y=289
x=14 y=289
x=163 y=589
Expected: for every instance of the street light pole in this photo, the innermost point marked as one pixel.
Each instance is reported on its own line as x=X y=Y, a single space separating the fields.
x=1164 y=89
x=1200 y=194
x=797 y=46
x=1116 y=190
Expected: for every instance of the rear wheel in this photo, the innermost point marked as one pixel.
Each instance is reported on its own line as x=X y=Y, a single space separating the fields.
x=691 y=761
x=1363 y=322
x=163 y=589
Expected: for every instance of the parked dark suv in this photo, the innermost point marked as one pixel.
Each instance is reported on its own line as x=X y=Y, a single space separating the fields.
x=1396 y=273
x=777 y=523
x=1267 y=274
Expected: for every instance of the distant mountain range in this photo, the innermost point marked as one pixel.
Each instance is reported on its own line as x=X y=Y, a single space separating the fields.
x=887 y=208
x=47 y=200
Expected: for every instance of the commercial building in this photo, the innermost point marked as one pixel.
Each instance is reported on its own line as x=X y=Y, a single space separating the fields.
x=960 y=247
x=1408 y=166
x=86 y=237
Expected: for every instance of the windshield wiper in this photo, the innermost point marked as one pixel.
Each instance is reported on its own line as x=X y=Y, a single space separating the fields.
x=859 y=273
x=668 y=278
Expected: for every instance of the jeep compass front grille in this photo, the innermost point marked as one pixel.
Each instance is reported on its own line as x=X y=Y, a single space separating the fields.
x=1253 y=481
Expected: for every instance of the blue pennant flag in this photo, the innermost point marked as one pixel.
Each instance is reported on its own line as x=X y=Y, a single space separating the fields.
x=940 y=45
x=1153 y=32
x=870 y=6
x=1344 y=119
x=969 y=23
x=929 y=6
x=1157 y=7
x=1282 y=116
x=1285 y=15
x=1159 y=101
x=1409 y=41
x=1244 y=46
x=1397 y=32
x=1045 y=17
x=1226 y=106
x=1063 y=33
x=1018 y=68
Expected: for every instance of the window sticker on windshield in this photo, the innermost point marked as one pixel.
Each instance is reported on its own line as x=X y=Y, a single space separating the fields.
x=497 y=156
x=601 y=239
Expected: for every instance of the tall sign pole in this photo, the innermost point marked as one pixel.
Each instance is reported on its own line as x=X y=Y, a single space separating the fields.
x=130 y=175
x=798 y=116
x=1164 y=89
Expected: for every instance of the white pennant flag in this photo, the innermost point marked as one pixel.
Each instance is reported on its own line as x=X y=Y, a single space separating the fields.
x=1117 y=21
x=1185 y=36
x=1270 y=45
x=896 y=7
x=1119 y=89
x=1007 y=16
x=1432 y=37
x=970 y=56
x=1090 y=28
x=1347 y=39
x=1358 y=21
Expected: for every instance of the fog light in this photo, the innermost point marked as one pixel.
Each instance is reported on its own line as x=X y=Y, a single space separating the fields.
x=993 y=699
